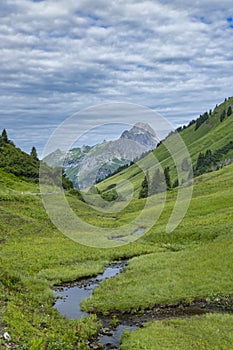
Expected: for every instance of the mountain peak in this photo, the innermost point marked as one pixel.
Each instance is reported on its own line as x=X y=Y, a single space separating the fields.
x=143 y=134
x=146 y=127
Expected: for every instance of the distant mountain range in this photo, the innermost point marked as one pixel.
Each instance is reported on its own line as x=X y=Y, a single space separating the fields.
x=88 y=165
x=208 y=139
x=209 y=142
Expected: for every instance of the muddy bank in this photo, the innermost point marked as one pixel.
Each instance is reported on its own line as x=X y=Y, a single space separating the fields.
x=109 y=271
x=109 y=336
x=160 y=312
x=116 y=322
x=69 y=296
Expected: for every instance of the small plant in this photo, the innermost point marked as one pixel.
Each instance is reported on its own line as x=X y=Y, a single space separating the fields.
x=114 y=322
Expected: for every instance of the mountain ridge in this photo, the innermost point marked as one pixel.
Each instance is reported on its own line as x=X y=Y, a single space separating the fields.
x=213 y=133
x=94 y=163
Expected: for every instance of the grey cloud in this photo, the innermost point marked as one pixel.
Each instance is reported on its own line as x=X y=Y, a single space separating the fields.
x=58 y=57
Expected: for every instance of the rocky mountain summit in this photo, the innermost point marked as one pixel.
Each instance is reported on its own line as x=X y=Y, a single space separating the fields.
x=87 y=165
x=143 y=134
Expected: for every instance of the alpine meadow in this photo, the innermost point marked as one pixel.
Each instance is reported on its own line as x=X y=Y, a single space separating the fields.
x=176 y=288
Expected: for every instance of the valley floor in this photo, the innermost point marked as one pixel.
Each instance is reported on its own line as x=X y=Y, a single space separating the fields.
x=193 y=262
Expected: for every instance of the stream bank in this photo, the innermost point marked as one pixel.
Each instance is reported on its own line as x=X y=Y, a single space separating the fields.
x=70 y=296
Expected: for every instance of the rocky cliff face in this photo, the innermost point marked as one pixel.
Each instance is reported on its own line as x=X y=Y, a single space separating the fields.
x=102 y=158
x=89 y=165
x=143 y=134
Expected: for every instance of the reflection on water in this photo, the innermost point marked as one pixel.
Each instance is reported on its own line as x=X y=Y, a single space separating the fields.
x=70 y=298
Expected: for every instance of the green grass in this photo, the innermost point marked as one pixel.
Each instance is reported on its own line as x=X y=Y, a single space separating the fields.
x=209 y=332
x=198 y=261
x=194 y=261
x=34 y=256
x=167 y=278
x=212 y=135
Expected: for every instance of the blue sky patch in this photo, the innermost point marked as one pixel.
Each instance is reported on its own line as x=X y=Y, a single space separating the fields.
x=230 y=21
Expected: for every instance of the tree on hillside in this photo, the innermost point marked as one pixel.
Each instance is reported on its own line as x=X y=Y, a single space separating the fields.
x=167 y=177
x=229 y=111
x=144 y=187
x=4 y=136
x=208 y=157
x=200 y=160
x=204 y=162
x=176 y=183
x=223 y=115
x=157 y=182
x=201 y=120
x=185 y=166
x=67 y=184
x=33 y=153
x=4 y=139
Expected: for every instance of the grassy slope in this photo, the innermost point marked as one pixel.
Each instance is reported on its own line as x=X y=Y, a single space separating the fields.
x=212 y=134
x=15 y=161
x=198 y=262
x=213 y=332
x=33 y=257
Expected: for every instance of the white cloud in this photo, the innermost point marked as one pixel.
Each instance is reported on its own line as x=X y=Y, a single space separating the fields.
x=60 y=56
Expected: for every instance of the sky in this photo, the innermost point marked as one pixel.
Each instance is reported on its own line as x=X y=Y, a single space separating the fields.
x=59 y=57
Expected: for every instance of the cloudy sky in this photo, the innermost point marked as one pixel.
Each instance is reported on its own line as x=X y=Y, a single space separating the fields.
x=60 y=56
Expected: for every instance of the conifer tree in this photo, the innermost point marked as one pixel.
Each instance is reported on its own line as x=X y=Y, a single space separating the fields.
x=223 y=115
x=176 y=183
x=167 y=177
x=229 y=111
x=34 y=153
x=158 y=182
x=144 y=187
x=200 y=160
x=4 y=136
x=185 y=166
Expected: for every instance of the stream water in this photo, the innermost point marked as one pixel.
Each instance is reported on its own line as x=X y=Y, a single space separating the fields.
x=68 y=300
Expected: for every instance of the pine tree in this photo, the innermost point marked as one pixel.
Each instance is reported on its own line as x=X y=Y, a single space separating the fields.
x=229 y=111
x=208 y=157
x=144 y=187
x=158 y=182
x=34 y=153
x=167 y=177
x=223 y=115
x=4 y=136
x=176 y=183
x=185 y=166
x=201 y=120
x=200 y=160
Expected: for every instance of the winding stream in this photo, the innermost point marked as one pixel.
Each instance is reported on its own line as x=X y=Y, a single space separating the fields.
x=69 y=298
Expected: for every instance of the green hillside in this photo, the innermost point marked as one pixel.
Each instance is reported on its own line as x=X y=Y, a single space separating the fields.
x=193 y=262
x=24 y=166
x=35 y=256
x=213 y=134
x=17 y=162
